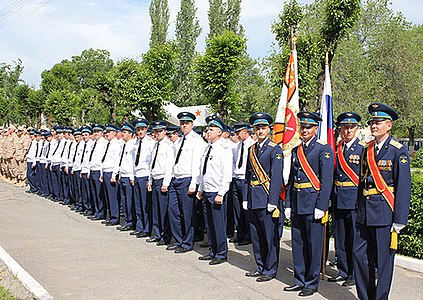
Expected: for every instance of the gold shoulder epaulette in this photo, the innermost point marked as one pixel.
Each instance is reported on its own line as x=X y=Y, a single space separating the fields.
x=321 y=142
x=396 y=144
x=362 y=143
x=272 y=144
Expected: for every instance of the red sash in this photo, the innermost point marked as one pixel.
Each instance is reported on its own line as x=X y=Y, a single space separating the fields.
x=312 y=177
x=346 y=167
x=380 y=183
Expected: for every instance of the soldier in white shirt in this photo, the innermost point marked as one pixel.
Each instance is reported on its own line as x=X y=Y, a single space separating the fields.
x=159 y=181
x=76 y=170
x=38 y=170
x=85 y=171
x=56 y=159
x=172 y=133
x=30 y=161
x=239 y=184
x=64 y=180
x=96 y=155
x=43 y=163
x=73 y=193
x=126 y=176
x=214 y=181
x=142 y=197
x=183 y=187
x=110 y=169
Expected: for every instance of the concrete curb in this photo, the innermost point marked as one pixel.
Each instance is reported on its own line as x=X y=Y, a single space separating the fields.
x=405 y=262
x=27 y=280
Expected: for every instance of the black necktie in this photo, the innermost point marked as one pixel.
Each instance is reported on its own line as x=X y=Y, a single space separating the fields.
x=48 y=149
x=155 y=156
x=137 y=158
x=345 y=149
x=206 y=159
x=121 y=156
x=63 y=150
x=70 y=146
x=377 y=150
x=105 y=153
x=92 y=150
x=76 y=149
x=41 y=150
x=180 y=151
x=83 y=152
x=241 y=157
x=57 y=147
x=36 y=150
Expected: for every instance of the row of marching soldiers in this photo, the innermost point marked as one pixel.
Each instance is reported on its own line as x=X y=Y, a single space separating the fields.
x=14 y=143
x=166 y=184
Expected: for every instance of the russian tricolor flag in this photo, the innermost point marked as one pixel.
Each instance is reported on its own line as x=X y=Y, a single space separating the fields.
x=326 y=128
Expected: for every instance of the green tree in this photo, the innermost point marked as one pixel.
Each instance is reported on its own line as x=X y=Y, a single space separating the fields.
x=61 y=106
x=233 y=13
x=217 y=17
x=217 y=71
x=9 y=82
x=187 y=31
x=159 y=14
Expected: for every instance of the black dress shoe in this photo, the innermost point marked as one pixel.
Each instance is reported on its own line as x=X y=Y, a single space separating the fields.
x=217 y=261
x=244 y=243
x=264 y=278
x=94 y=218
x=142 y=235
x=205 y=257
x=124 y=228
x=172 y=247
x=111 y=224
x=292 y=288
x=307 y=292
x=336 y=278
x=161 y=243
x=349 y=282
x=105 y=222
x=235 y=240
x=204 y=245
x=135 y=232
x=152 y=240
x=182 y=250
x=253 y=274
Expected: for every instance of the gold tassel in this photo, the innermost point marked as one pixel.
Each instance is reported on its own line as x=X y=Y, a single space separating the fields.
x=394 y=240
x=276 y=213
x=325 y=218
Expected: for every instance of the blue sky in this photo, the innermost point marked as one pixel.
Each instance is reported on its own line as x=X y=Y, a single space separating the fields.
x=43 y=32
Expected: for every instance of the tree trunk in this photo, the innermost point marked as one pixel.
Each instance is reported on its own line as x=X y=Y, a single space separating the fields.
x=411 y=131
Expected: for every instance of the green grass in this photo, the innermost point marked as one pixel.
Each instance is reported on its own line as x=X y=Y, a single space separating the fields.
x=5 y=295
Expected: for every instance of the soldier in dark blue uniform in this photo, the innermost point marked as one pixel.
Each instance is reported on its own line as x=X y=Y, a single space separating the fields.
x=308 y=194
x=264 y=180
x=345 y=194
x=385 y=183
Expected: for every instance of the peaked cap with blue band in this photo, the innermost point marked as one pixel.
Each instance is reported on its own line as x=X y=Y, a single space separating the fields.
x=99 y=127
x=112 y=127
x=215 y=121
x=58 y=128
x=308 y=118
x=260 y=118
x=140 y=123
x=186 y=116
x=348 y=118
x=380 y=112
x=77 y=131
x=159 y=125
x=128 y=127
x=239 y=126
x=46 y=133
x=86 y=128
x=172 y=129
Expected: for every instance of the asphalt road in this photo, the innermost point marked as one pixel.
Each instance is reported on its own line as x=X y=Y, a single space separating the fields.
x=75 y=258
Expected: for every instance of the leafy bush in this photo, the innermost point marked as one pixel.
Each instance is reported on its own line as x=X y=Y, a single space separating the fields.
x=417 y=159
x=411 y=238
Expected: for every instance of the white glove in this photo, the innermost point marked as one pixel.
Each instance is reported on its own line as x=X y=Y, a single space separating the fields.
x=288 y=213
x=397 y=227
x=318 y=214
x=245 y=205
x=271 y=207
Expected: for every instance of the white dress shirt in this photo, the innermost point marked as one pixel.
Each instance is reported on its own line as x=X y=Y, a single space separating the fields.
x=97 y=154
x=145 y=156
x=56 y=156
x=65 y=153
x=32 y=151
x=40 y=150
x=71 y=154
x=112 y=157
x=218 y=174
x=126 y=168
x=189 y=160
x=43 y=157
x=240 y=172
x=85 y=162
x=78 y=156
x=53 y=145
x=163 y=167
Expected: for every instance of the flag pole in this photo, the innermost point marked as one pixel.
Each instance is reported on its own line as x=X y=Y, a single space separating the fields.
x=325 y=226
